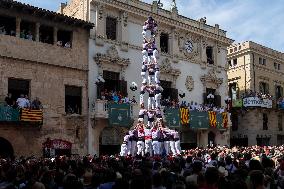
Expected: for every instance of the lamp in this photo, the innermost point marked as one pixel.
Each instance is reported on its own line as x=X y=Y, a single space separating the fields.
x=99 y=80
x=181 y=94
x=210 y=98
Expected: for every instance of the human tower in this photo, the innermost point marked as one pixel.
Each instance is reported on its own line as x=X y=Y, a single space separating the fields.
x=152 y=138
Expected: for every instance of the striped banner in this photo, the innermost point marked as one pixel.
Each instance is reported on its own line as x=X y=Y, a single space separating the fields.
x=184 y=116
x=225 y=119
x=212 y=118
x=31 y=115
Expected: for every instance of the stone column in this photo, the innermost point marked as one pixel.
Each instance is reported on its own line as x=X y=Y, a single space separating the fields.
x=55 y=30
x=124 y=31
x=18 y=26
x=170 y=44
x=175 y=45
x=37 y=31
x=100 y=24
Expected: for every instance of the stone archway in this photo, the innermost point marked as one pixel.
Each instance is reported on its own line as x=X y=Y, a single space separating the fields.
x=6 y=148
x=111 y=139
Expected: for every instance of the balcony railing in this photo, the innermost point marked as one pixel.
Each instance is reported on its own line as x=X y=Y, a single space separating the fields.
x=9 y=114
x=101 y=110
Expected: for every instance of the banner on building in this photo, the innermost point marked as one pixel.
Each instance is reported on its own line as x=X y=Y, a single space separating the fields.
x=212 y=118
x=238 y=103
x=119 y=114
x=172 y=116
x=199 y=120
x=31 y=115
x=257 y=102
x=184 y=116
x=7 y=113
x=225 y=119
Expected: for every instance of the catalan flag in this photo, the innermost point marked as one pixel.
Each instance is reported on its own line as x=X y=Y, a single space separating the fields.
x=31 y=115
x=212 y=118
x=184 y=116
x=225 y=119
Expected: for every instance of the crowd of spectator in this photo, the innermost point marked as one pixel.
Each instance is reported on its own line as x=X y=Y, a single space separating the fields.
x=193 y=106
x=23 y=102
x=257 y=94
x=201 y=168
x=116 y=97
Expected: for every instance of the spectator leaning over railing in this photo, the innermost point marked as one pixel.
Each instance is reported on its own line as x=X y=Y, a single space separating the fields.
x=36 y=104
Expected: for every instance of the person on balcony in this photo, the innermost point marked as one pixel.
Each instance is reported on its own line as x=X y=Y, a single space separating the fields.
x=36 y=104
x=29 y=36
x=8 y=100
x=21 y=101
x=28 y=103
x=67 y=45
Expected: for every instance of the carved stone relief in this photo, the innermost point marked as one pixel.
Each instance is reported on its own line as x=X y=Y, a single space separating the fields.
x=211 y=78
x=189 y=83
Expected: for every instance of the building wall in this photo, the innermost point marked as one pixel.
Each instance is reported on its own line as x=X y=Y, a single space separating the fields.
x=131 y=16
x=47 y=82
x=251 y=120
x=48 y=68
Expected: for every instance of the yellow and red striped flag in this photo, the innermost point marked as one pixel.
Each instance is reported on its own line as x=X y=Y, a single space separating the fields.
x=212 y=118
x=184 y=116
x=225 y=119
x=31 y=115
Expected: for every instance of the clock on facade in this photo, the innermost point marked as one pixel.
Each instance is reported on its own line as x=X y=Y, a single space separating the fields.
x=188 y=46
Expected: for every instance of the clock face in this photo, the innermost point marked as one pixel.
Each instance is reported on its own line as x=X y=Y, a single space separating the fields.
x=188 y=46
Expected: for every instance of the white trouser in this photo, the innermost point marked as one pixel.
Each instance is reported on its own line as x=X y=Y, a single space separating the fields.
x=141 y=98
x=129 y=146
x=151 y=102
x=177 y=146
x=148 y=147
x=172 y=146
x=156 y=147
x=155 y=55
x=140 y=147
x=143 y=75
x=145 y=56
x=167 y=145
x=151 y=79
x=158 y=100
x=157 y=76
x=150 y=123
x=123 y=151
x=133 y=148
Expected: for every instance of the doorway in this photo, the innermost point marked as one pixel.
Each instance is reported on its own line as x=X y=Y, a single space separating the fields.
x=6 y=148
x=211 y=139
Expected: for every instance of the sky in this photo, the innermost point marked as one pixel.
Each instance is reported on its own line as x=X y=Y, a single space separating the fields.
x=260 y=21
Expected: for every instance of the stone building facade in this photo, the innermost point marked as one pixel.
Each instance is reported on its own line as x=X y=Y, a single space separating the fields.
x=192 y=60
x=44 y=54
x=254 y=68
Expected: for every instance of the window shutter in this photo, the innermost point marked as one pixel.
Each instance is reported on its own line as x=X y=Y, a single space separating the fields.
x=204 y=98
x=217 y=100
x=123 y=87
x=174 y=93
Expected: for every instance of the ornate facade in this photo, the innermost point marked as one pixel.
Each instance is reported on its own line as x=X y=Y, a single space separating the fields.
x=254 y=68
x=193 y=55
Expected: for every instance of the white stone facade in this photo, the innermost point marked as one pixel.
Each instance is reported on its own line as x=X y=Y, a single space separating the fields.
x=188 y=72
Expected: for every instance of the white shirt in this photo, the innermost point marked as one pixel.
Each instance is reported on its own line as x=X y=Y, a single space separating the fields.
x=21 y=102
